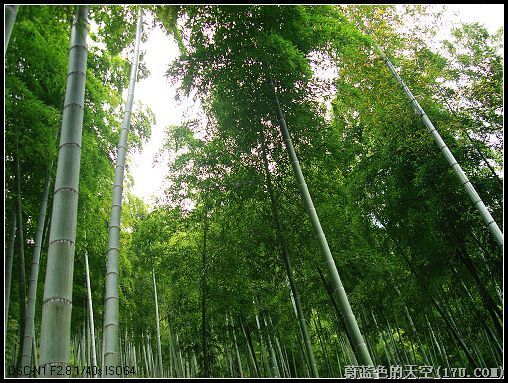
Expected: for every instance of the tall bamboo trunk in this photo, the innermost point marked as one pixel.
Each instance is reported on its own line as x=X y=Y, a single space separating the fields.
x=57 y=300
x=323 y=343
x=11 y=12
x=21 y=258
x=383 y=341
x=287 y=262
x=413 y=328
x=494 y=311
x=26 y=357
x=332 y=297
x=468 y=186
x=442 y=311
x=159 y=350
x=9 y=255
x=482 y=156
x=90 y=316
x=342 y=300
x=273 y=357
x=34 y=351
x=203 y=298
x=111 y=308
x=252 y=353
x=237 y=353
x=444 y=315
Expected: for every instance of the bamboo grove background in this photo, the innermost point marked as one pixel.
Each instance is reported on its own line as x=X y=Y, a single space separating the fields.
x=309 y=222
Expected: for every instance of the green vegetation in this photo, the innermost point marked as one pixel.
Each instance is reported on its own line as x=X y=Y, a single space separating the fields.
x=309 y=221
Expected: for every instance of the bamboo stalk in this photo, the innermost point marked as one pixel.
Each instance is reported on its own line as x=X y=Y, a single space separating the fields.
x=345 y=308
x=57 y=299
x=468 y=186
x=251 y=351
x=111 y=309
x=287 y=262
x=11 y=12
x=90 y=315
x=9 y=256
x=21 y=259
x=159 y=350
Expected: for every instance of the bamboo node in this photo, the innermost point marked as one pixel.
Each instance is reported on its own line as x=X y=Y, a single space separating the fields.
x=57 y=300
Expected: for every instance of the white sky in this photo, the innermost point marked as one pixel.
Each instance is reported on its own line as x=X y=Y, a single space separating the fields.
x=156 y=92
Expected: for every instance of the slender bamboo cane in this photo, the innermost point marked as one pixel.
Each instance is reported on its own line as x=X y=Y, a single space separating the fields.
x=9 y=255
x=383 y=340
x=275 y=365
x=305 y=358
x=151 y=358
x=34 y=350
x=238 y=358
x=173 y=354
x=394 y=345
x=345 y=308
x=252 y=353
x=435 y=342
x=88 y=346
x=90 y=315
x=287 y=262
x=159 y=350
x=487 y=300
x=83 y=352
x=323 y=349
x=441 y=344
x=264 y=359
x=294 y=364
x=11 y=12
x=204 y=345
x=21 y=259
x=57 y=299
x=413 y=328
x=468 y=186
x=195 y=365
x=320 y=331
x=187 y=366
x=278 y=351
x=111 y=312
x=347 y=356
x=26 y=358
x=493 y=352
x=368 y=338
x=145 y=357
x=180 y=359
x=401 y=344
x=480 y=313
x=442 y=311
x=479 y=356
x=121 y=354
x=302 y=359
x=332 y=297
x=341 y=375
x=286 y=359
x=103 y=349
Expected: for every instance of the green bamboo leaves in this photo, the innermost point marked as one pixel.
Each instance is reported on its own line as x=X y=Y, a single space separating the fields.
x=111 y=357
x=57 y=300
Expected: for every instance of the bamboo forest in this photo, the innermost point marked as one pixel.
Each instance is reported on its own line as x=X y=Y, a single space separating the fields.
x=332 y=199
